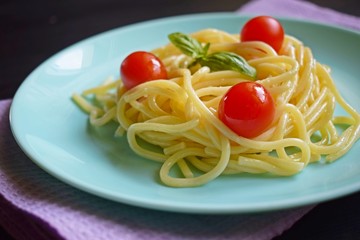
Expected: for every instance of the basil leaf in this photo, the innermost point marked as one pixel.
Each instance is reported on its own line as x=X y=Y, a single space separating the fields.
x=216 y=61
x=228 y=61
x=188 y=45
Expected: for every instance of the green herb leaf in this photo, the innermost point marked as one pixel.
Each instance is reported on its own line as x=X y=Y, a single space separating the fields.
x=188 y=45
x=228 y=61
x=216 y=61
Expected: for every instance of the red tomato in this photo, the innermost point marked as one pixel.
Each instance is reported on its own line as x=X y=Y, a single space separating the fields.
x=140 y=67
x=247 y=109
x=265 y=29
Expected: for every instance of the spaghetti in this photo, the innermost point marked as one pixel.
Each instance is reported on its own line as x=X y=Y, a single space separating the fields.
x=179 y=115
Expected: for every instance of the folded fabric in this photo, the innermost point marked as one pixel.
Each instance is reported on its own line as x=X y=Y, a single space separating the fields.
x=301 y=10
x=35 y=205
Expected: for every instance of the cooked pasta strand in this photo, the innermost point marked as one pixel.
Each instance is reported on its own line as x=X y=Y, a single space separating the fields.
x=179 y=115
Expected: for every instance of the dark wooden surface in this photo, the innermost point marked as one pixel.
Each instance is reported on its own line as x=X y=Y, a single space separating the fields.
x=31 y=31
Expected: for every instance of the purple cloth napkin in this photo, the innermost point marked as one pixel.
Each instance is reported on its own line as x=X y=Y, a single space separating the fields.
x=301 y=10
x=35 y=205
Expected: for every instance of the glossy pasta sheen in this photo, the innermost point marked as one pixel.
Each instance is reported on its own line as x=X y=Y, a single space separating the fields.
x=179 y=115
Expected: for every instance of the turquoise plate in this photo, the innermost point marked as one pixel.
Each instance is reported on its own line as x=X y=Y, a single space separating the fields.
x=55 y=134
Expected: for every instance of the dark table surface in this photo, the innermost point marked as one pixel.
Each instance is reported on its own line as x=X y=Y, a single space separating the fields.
x=31 y=31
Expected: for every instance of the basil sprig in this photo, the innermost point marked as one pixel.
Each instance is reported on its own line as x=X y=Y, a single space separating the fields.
x=216 y=61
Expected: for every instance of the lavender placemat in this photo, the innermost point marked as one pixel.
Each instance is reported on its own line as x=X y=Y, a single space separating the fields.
x=302 y=10
x=34 y=205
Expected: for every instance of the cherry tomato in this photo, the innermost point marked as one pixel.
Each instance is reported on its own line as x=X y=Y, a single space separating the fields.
x=265 y=29
x=140 y=67
x=247 y=108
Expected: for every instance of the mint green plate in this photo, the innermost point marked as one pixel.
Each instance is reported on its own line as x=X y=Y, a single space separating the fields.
x=55 y=134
